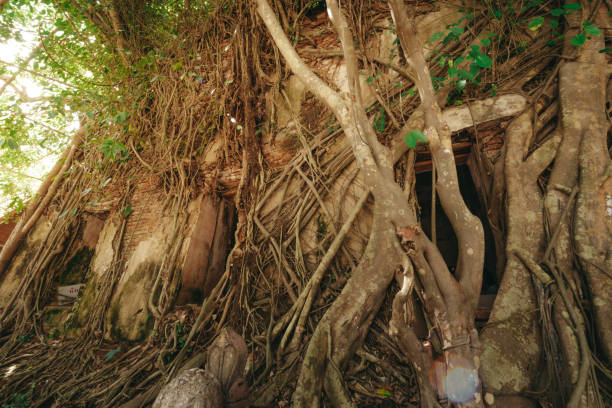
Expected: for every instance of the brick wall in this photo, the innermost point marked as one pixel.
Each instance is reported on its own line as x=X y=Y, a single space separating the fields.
x=146 y=202
x=5 y=232
x=148 y=196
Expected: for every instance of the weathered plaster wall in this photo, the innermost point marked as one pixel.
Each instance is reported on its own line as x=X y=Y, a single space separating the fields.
x=144 y=243
x=128 y=317
x=102 y=261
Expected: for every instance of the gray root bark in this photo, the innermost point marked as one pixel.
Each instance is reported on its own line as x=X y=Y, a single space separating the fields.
x=556 y=234
x=452 y=299
x=511 y=343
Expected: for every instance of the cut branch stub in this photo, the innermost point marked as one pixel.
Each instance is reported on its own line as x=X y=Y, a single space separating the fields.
x=407 y=236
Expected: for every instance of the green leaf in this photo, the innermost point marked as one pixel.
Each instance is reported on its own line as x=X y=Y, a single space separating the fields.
x=379 y=121
x=536 y=23
x=557 y=12
x=436 y=36
x=12 y=144
x=579 y=39
x=605 y=50
x=122 y=117
x=127 y=211
x=572 y=6
x=554 y=23
x=474 y=70
x=483 y=61
x=551 y=43
x=486 y=42
x=457 y=30
x=463 y=74
x=369 y=79
x=414 y=136
x=411 y=92
x=593 y=30
x=460 y=84
x=111 y=354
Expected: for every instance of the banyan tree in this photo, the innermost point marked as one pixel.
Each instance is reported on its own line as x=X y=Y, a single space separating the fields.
x=394 y=203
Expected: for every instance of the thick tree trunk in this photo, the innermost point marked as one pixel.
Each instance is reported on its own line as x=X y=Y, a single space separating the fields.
x=38 y=204
x=449 y=306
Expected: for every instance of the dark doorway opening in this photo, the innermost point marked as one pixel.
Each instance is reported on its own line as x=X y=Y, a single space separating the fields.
x=315 y=8
x=445 y=236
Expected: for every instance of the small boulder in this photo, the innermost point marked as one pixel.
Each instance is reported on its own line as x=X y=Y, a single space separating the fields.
x=194 y=388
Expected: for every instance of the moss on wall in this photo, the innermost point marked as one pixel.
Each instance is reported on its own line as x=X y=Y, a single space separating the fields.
x=76 y=268
x=128 y=317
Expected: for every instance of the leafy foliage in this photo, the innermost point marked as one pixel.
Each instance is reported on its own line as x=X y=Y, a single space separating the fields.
x=413 y=137
x=21 y=400
x=109 y=356
x=52 y=70
x=113 y=149
x=379 y=121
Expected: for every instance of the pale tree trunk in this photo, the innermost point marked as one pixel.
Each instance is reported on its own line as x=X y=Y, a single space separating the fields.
x=397 y=243
x=560 y=239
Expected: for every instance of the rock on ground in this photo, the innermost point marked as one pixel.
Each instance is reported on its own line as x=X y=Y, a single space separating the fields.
x=195 y=388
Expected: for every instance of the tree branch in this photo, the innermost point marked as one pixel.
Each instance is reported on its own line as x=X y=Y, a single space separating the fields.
x=381 y=153
x=8 y=80
x=312 y=82
x=468 y=228
x=21 y=92
x=541 y=158
x=116 y=23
